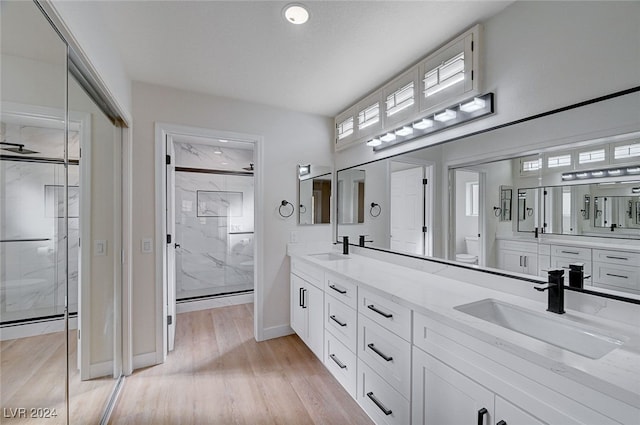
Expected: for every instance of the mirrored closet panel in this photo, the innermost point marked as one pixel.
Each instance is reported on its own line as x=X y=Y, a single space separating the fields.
x=59 y=231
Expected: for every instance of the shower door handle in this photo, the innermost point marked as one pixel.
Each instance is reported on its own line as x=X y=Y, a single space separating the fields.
x=176 y=245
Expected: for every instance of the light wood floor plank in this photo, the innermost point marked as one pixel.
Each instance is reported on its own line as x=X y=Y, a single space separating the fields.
x=219 y=374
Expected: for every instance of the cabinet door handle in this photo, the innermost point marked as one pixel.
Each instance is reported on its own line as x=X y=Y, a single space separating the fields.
x=338 y=362
x=300 y=295
x=335 y=288
x=570 y=252
x=525 y=260
x=382 y=313
x=337 y=321
x=502 y=422
x=617 y=258
x=377 y=403
x=304 y=301
x=481 y=414
x=618 y=275
x=380 y=353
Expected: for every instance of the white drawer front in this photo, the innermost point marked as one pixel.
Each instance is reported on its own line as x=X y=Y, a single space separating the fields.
x=616 y=257
x=383 y=404
x=308 y=272
x=341 y=362
x=341 y=320
x=583 y=254
x=563 y=263
x=393 y=316
x=387 y=353
x=341 y=288
x=529 y=247
x=617 y=276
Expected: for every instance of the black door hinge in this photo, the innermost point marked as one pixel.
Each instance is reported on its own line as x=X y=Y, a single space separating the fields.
x=472 y=74
x=169 y=320
x=424 y=229
x=425 y=181
x=168 y=238
x=472 y=46
x=168 y=159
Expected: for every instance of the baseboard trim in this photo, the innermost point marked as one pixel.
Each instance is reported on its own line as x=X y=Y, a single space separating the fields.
x=275 y=332
x=144 y=360
x=185 y=307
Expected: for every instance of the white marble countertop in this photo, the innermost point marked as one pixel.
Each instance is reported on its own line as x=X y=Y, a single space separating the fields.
x=616 y=374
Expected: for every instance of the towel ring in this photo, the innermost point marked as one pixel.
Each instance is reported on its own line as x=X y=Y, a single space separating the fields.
x=283 y=204
x=497 y=211
x=375 y=207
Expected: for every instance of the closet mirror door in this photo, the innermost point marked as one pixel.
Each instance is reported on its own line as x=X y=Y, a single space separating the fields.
x=33 y=218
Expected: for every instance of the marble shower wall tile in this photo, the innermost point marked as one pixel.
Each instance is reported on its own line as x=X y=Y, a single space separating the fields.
x=205 y=156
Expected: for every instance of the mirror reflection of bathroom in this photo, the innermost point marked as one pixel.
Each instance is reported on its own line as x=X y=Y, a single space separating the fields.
x=314 y=194
x=467 y=216
x=351 y=187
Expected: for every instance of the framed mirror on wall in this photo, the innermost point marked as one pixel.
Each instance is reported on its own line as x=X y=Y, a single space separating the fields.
x=556 y=192
x=314 y=194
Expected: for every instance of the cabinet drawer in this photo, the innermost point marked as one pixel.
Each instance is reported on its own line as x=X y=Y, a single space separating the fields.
x=387 y=313
x=341 y=362
x=583 y=254
x=525 y=247
x=387 y=353
x=342 y=289
x=308 y=272
x=616 y=275
x=616 y=257
x=340 y=319
x=381 y=402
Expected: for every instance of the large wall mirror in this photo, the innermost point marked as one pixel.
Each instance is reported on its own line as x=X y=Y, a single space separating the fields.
x=569 y=193
x=314 y=194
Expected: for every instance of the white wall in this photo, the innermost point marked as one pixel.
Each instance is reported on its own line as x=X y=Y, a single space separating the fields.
x=538 y=56
x=290 y=138
x=465 y=225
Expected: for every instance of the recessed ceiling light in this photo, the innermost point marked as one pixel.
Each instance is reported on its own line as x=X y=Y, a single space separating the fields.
x=224 y=141
x=217 y=151
x=296 y=13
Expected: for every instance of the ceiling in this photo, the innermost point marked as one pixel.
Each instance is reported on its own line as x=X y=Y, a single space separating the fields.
x=246 y=50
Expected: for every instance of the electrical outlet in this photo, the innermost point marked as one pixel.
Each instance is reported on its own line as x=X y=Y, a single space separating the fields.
x=100 y=247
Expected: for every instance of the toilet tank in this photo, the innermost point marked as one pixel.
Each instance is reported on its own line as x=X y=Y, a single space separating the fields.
x=473 y=244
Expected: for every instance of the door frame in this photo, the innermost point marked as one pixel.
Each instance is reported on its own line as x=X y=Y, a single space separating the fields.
x=162 y=130
x=482 y=225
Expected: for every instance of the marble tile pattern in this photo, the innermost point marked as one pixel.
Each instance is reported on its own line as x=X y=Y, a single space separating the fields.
x=228 y=156
x=33 y=274
x=216 y=253
x=47 y=142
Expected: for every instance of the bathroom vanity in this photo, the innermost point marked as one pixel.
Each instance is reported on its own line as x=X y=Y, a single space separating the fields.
x=415 y=342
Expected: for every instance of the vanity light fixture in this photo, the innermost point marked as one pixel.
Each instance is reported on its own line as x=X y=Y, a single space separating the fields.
x=423 y=123
x=374 y=142
x=635 y=190
x=296 y=13
x=568 y=176
x=615 y=172
x=447 y=115
x=581 y=175
x=304 y=170
x=598 y=174
x=389 y=137
x=633 y=170
x=404 y=131
x=472 y=106
x=435 y=121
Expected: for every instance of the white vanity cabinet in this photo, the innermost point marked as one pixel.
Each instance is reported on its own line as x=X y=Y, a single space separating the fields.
x=455 y=384
x=616 y=270
x=384 y=358
x=518 y=256
x=307 y=305
x=564 y=255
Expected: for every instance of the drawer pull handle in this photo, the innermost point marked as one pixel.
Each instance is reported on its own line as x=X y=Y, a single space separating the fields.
x=300 y=297
x=481 y=414
x=618 y=275
x=617 y=258
x=338 y=362
x=337 y=321
x=335 y=288
x=380 y=353
x=377 y=403
x=570 y=252
x=382 y=313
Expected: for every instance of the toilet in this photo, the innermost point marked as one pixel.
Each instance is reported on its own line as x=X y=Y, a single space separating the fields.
x=473 y=249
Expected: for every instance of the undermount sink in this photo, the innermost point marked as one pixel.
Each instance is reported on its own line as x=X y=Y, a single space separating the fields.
x=329 y=256
x=555 y=330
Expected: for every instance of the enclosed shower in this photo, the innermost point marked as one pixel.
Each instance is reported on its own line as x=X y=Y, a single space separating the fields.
x=214 y=213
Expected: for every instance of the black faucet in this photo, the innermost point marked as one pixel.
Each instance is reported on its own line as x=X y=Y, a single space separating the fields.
x=556 y=291
x=576 y=275
x=361 y=240
x=345 y=245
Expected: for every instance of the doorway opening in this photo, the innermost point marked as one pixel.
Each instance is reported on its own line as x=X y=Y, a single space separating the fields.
x=467 y=217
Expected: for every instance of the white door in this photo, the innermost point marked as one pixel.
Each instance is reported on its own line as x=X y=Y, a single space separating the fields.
x=171 y=247
x=407 y=211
